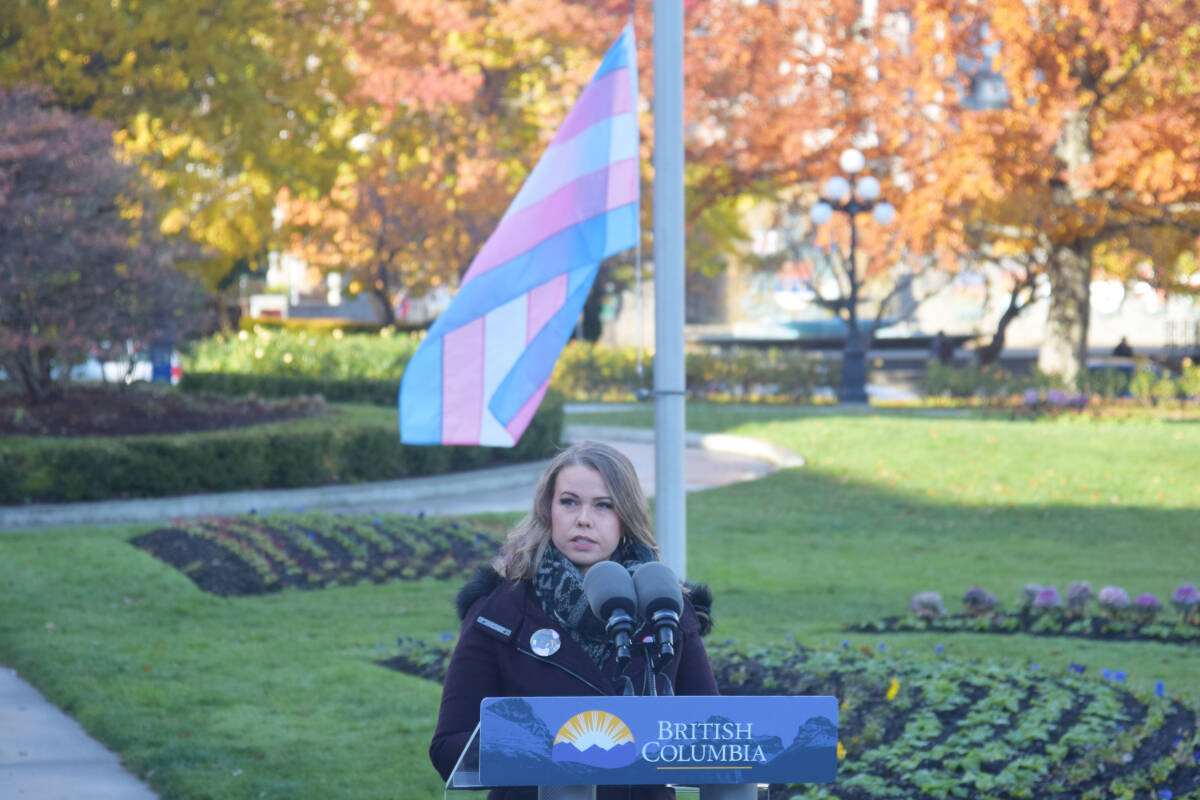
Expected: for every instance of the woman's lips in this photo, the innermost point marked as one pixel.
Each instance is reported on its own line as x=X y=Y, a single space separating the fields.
x=583 y=542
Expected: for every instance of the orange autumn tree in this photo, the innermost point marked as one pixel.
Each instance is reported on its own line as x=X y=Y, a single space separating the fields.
x=456 y=98
x=453 y=101
x=1093 y=163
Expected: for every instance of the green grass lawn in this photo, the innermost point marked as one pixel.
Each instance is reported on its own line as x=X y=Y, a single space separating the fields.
x=278 y=696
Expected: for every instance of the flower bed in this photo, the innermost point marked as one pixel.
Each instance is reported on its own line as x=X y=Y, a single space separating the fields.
x=952 y=729
x=1041 y=611
x=1048 y=624
x=251 y=554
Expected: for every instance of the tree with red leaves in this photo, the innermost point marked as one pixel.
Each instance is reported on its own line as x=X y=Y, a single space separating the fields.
x=82 y=267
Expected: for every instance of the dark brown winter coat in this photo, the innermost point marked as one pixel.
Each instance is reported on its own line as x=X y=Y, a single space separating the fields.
x=493 y=658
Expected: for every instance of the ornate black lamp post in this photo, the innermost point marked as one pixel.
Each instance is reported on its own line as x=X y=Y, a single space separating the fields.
x=837 y=195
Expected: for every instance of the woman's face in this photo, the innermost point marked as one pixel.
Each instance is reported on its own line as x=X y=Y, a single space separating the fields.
x=584 y=525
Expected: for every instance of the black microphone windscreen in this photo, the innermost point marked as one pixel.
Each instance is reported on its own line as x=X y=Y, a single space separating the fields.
x=608 y=586
x=657 y=589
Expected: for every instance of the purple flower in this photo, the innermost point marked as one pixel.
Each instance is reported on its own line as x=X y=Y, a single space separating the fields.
x=939 y=649
x=1106 y=674
x=882 y=647
x=1160 y=689
x=1113 y=598
x=1165 y=794
x=1057 y=398
x=1119 y=676
x=1077 y=668
x=1047 y=599
x=1185 y=598
x=1147 y=601
x=845 y=643
x=1031 y=397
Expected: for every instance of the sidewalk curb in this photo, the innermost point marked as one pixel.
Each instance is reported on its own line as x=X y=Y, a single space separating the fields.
x=161 y=509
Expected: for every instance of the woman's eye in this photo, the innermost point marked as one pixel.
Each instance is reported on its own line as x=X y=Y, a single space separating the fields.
x=567 y=501
x=603 y=506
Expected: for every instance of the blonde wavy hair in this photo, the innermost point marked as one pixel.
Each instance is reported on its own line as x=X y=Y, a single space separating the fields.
x=526 y=543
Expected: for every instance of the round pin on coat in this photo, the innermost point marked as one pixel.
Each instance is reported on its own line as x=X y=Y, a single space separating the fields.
x=545 y=642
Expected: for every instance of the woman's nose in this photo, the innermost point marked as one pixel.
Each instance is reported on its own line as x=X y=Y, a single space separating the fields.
x=583 y=518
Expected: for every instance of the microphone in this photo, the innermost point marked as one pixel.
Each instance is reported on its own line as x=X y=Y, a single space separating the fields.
x=610 y=593
x=660 y=602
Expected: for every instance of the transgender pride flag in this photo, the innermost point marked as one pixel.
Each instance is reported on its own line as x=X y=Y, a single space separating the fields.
x=485 y=364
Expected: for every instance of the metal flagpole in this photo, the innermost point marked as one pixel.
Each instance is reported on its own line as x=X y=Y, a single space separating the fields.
x=669 y=377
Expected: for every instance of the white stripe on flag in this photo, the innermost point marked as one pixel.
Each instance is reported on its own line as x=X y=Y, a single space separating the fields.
x=503 y=344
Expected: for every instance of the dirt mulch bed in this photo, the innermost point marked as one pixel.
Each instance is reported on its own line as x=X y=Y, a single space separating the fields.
x=138 y=410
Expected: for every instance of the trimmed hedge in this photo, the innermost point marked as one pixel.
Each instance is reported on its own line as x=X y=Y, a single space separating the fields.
x=324 y=325
x=334 y=390
x=323 y=450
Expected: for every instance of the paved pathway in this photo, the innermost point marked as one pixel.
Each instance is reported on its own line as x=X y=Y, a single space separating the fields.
x=46 y=755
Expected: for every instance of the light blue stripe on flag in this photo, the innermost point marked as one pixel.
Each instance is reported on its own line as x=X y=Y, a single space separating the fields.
x=421 y=395
x=537 y=362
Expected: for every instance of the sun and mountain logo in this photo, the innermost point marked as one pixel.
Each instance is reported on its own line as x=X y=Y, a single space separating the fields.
x=595 y=738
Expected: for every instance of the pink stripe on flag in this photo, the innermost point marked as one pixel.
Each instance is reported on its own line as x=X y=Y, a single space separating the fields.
x=544 y=303
x=588 y=196
x=607 y=97
x=462 y=383
x=516 y=426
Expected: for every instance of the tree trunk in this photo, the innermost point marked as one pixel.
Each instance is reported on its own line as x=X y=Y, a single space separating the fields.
x=990 y=353
x=387 y=314
x=1064 y=350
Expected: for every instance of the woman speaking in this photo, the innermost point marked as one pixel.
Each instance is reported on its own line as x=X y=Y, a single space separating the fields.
x=528 y=629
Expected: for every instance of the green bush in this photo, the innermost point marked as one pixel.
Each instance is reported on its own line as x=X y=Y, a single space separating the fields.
x=972 y=381
x=1189 y=380
x=1104 y=382
x=311 y=452
x=266 y=350
x=366 y=368
x=335 y=390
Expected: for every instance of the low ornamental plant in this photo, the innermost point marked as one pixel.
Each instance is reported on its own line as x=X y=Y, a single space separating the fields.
x=1078 y=594
x=1047 y=600
x=944 y=728
x=978 y=601
x=1186 y=600
x=927 y=605
x=1041 y=611
x=1028 y=595
x=1114 y=600
x=1146 y=608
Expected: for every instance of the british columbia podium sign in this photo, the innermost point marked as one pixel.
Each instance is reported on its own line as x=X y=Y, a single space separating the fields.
x=655 y=740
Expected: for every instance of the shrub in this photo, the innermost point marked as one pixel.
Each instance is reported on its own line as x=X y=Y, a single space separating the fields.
x=1104 y=382
x=306 y=453
x=1189 y=380
x=978 y=601
x=927 y=605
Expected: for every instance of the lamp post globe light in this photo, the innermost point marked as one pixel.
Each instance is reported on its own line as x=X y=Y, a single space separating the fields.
x=839 y=196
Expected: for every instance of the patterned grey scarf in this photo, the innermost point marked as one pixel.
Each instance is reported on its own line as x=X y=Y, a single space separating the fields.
x=558 y=585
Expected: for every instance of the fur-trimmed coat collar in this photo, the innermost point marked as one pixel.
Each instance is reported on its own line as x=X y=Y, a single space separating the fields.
x=485 y=580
